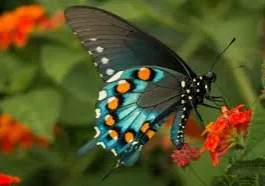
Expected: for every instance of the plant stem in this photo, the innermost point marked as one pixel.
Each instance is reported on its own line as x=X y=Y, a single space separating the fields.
x=194 y=172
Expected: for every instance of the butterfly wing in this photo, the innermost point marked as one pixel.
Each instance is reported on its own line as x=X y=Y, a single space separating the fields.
x=131 y=108
x=114 y=44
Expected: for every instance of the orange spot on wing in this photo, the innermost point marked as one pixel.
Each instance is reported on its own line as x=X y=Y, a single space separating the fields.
x=145 y=127
x=144 y=74
x=113 y=104
x=123 y=87
x=150 y=133
x=129 y=136
x=110 y=120
x=113 y=134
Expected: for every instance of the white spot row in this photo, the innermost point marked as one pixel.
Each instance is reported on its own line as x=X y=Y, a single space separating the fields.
x=99 y=49
x=102 y=95
x=115 y=77
x=183 y=84
x=97 y=132
x=102 y=144
x=98 y=113
x=104 y=60
x=114 y=152
x=109 y=71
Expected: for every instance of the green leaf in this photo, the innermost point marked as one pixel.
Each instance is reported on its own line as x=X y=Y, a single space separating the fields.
x=255 y=140
x=77 y=112
x=57 y=61
x=120 y=177
x=263 y=74
x=225 y=180
x=255 y=4
x=247 y=168
x=38 y=109
x=22 y=168
x=22 y=78
x=261 y=179
x=14 y=75
x=83 y=82
x=53 y=6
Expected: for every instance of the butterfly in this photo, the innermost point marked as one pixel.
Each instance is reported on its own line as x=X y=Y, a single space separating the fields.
x=145 y=83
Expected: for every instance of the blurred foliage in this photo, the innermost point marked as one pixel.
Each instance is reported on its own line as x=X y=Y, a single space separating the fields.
x=52 y=80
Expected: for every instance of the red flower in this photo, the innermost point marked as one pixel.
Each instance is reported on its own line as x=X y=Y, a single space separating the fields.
x=6 y=180
x=228 y=131
x=185 y=155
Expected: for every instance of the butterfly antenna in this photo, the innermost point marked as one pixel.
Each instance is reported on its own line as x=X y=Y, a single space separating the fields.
x=111 y=171
x=218 y=57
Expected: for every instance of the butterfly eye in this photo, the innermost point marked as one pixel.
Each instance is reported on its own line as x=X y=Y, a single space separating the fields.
x=211 y=76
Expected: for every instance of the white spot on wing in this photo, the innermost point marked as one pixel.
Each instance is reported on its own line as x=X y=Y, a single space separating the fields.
x=102 y=95
x=102 y=144
x=183 y=84
x=115 y=77
x=109 y=72
x=99 y=49
x=90 y=53
x=97 y=113
x=111 y=99
x=97 y=132
x=114 y=152
x=104 y=60
x=93 y=39
x=135 y=142
x=95 y=64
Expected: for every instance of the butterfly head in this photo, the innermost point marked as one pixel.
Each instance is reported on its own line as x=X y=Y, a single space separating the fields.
x=210 y=77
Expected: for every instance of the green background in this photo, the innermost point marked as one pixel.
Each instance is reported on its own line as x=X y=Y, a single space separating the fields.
x=52 y=80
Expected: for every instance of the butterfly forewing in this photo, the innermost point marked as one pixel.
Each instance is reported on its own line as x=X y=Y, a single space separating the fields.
x=115 y=44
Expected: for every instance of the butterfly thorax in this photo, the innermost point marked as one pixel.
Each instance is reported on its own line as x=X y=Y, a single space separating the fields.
x=195 y=90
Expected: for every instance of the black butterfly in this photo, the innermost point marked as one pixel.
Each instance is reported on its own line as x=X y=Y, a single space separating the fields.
x=145 y=83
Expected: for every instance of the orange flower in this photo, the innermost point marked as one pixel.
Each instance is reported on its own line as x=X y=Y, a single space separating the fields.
x=13 y=133
x=229 y=130
x=47 y=23
x=6 y=180
x=34 y=12
x=16 y=25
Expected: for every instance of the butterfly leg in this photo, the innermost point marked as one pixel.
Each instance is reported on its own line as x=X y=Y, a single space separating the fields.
x=210 y=106
x=197 y=114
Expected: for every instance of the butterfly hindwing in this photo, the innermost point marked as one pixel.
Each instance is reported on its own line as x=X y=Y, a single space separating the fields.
x=125 y=121
x=114 y=44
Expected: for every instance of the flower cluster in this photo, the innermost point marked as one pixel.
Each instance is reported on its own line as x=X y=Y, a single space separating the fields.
x=185 y=155
x=16 y=25
x=229 y=130
x=6 y=180
x=13 y=133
